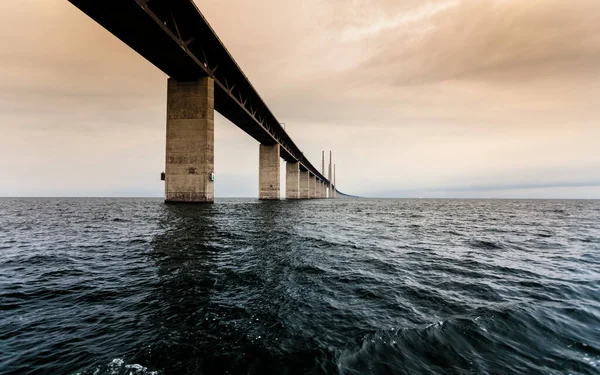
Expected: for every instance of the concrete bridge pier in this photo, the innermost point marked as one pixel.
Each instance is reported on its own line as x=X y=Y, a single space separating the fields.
x=334 y=184
x=268 y=172
x=304 y=184
x=312 y=187
x=189 y=164
x=292 y=180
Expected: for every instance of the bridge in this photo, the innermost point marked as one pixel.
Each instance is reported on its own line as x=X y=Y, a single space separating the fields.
x=203 y=77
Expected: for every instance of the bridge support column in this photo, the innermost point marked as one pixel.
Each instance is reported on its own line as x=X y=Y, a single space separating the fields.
x=190 y=141
x=292 y=180
x=268 y=175
x=323 y=192
x=312 y=192
x=304 y=184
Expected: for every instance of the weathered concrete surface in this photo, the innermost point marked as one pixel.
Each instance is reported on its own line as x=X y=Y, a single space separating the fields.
x=334 y=183
x=304 y=184
x=190 y=141
x=330 y=176
x=312 y=192
x=268 y=172
x=292 y=180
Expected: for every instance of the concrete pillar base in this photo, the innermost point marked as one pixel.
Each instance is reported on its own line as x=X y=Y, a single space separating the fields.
x=268 y=177
x=190 y=142
x=304 y=184
x=292 y=180
x=312 y=192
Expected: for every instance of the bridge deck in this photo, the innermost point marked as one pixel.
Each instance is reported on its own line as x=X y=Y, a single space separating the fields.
x=175 y=37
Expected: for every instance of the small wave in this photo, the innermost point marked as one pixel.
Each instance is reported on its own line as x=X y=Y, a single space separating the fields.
x=474 y=343
x=39 y=260
x=486 y=245
x=61 y=273
x=118 y=367
x=137 y=240
x=408 y=350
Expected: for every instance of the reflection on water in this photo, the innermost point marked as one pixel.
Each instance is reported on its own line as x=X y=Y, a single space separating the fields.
x=223 y=293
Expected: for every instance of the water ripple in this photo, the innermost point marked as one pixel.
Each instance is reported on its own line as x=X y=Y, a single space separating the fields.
x=136 y=287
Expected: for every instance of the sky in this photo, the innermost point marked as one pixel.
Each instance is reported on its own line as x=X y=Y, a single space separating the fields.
x=449 y=98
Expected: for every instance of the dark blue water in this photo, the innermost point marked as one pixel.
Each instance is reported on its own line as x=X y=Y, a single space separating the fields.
x=134 y=286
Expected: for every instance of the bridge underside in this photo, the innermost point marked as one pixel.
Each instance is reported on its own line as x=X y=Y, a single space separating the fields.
x=175 y=37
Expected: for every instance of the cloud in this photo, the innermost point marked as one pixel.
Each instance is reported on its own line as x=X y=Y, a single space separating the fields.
x=488 y=40
x=403 y=19
x=421 y=94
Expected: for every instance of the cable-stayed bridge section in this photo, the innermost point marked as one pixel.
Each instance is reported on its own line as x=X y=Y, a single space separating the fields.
x=203 y=77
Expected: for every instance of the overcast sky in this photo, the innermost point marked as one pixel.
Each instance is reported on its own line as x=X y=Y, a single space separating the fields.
x=462 y=98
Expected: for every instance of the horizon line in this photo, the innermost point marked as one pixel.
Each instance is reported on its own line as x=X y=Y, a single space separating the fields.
x=283 y=198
